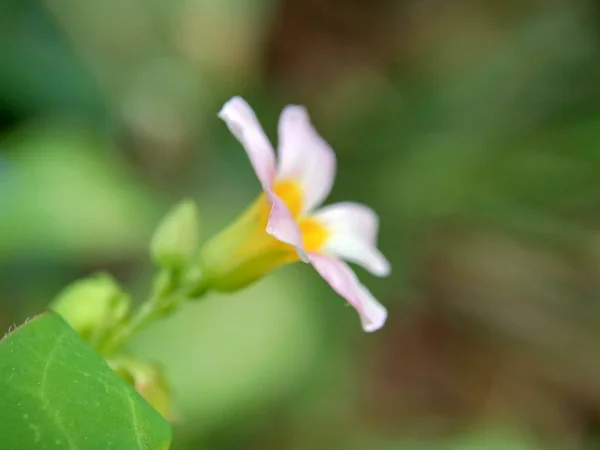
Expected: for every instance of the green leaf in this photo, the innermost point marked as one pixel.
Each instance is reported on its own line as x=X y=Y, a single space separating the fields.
x=57 y=393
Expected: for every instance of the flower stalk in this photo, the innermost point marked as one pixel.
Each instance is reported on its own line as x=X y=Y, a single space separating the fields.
x=170 y=291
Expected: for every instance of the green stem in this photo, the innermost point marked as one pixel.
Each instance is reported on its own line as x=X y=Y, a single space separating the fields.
x=163 y=301
x=145 y=314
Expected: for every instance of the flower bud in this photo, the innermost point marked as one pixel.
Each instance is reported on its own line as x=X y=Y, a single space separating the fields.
x=92 y=306
x=175 y=240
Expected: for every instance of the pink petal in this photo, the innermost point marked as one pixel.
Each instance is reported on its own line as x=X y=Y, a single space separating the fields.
x=353 y=230
x=343 y=280
x=283 y=226
x=304 y=156
x=244 y=125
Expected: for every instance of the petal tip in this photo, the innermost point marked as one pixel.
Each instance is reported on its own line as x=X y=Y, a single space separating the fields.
x=384 y=269
x=375 y=322
x=373 y=314
x=295 y=112
x=228 y=105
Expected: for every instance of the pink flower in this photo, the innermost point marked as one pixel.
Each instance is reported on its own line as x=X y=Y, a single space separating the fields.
x=295 y=186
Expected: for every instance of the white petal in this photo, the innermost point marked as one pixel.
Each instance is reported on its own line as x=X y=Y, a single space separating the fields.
x=304 y=156
x=244 y=125
x=353 y=232
x=343 y=280
x=283 y=227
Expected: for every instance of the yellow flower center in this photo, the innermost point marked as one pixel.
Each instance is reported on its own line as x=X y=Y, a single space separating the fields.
x=291 y=193
x=314 y=234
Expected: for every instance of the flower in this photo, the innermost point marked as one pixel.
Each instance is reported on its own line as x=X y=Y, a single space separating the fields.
x=294 y=188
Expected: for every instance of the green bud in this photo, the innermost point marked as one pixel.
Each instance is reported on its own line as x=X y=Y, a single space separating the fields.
x=175 y=240
x=92 y=306
x=149 y=380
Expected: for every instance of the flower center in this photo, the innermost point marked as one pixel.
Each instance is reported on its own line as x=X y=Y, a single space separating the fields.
x=290 y=193
x=314 y=234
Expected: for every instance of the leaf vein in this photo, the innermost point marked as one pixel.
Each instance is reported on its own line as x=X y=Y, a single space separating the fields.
x=136 y=426
x=45 y=402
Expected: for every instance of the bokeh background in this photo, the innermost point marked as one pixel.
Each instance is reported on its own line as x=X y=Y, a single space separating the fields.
x=471 y=126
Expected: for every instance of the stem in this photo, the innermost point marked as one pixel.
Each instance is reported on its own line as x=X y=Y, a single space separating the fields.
x=163 y=301
x=145 y=314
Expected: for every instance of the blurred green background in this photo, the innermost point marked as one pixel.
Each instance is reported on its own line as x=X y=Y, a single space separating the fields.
x=471 y=126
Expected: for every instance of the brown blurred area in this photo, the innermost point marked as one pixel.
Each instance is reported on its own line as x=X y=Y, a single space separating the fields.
x=497 y=332
x=314 y=46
